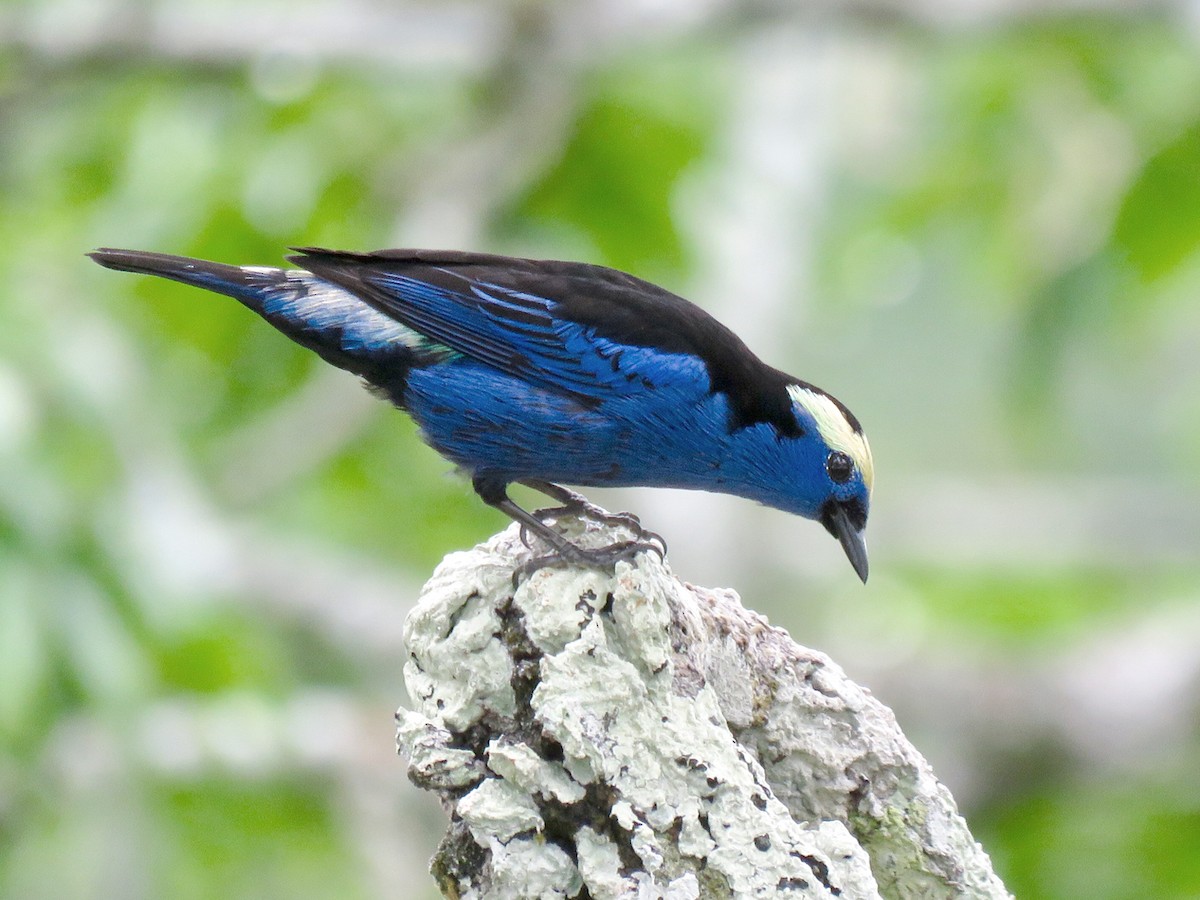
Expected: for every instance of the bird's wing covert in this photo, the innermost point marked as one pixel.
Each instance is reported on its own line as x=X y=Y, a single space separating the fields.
x=507 y=314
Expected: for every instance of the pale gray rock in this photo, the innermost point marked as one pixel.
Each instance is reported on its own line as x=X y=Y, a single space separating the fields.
x=619 y=734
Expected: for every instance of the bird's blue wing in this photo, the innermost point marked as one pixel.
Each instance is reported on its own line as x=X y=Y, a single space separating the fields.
x=518 y=332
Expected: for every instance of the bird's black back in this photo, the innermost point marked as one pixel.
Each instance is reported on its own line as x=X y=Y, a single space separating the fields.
x=619 y=307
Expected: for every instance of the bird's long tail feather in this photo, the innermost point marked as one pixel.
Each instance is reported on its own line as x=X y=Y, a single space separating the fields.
x=339 y=326
x=242 y=283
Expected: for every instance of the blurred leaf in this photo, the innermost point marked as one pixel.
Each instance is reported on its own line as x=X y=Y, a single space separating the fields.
x=644 y=124
x=274 y=838
x=224 y=651
x=1157 y=227
x=24 y=656
x=389 y=495
x=614 y=183
x=1019 y=607
x=1062 y=310
x=1104 y=842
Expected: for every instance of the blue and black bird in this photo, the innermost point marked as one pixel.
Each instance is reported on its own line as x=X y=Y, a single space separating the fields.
x=544 y=372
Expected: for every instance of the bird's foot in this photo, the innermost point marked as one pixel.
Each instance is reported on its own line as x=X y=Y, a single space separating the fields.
x=643 y=538
x=574 y=504
x=578 y=505
x=568 y=554
x=562 y=551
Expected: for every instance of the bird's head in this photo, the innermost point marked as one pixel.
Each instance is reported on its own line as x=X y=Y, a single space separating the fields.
x=844 y=472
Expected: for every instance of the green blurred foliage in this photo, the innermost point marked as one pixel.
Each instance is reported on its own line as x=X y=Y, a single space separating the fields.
x=1039 y=204
x=226 y=831
x=1051 y=177
x=638 y=129
x=1106 y=841
x=1022 y=610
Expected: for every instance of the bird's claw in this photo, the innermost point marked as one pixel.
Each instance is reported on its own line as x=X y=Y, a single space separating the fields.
x=599 y=557
x=589 y=510
x=652 y=540
x=562 y=551
x=581 y=507
x=523 y=533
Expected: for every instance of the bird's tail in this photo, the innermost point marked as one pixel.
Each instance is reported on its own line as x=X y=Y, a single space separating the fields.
x=328 y=319
x=242 y=283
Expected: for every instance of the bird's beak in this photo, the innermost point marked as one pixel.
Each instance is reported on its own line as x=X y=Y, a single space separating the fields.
x=837 y=520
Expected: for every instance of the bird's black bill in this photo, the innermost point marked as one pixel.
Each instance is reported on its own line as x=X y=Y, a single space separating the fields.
x=837 y=520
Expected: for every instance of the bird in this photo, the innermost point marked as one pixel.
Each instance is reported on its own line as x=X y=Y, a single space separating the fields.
x=548 y=373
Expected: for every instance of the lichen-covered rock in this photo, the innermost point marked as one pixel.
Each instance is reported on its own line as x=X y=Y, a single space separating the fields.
x=623 y=734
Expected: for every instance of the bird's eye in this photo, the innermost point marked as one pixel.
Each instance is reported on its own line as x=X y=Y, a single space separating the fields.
x=839 y=466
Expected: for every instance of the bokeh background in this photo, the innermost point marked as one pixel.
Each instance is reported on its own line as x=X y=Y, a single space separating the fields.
x=976 y=222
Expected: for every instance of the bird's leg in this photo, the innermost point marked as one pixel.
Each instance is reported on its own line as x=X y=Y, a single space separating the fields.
x=578 y=504
x=495 y=493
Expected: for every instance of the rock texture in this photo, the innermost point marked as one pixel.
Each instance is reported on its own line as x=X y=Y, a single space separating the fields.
x=612 y=734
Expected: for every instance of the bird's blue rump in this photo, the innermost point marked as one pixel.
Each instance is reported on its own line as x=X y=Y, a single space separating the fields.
x=545 y=372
